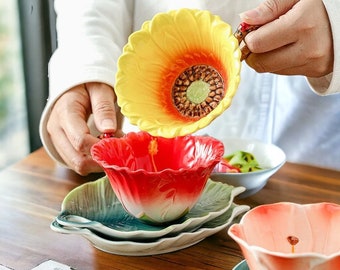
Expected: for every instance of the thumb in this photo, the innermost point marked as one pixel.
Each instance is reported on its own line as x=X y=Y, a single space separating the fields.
x=267 y=11
x=103 y=106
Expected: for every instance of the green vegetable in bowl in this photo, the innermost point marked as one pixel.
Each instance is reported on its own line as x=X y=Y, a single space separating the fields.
x=244 y=161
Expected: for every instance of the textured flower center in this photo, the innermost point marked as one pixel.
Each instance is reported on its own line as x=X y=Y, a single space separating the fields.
x=197 y=91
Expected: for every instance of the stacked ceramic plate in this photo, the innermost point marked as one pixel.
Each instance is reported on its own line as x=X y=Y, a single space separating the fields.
x=93 y=211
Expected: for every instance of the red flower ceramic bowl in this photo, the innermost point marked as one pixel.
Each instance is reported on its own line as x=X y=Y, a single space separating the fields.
x=285 y=235
x=158 y=179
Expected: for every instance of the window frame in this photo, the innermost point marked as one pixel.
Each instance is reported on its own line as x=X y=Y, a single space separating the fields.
x=38 y=38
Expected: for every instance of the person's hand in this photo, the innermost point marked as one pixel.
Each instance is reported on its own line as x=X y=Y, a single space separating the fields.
x=295 y=38
x=68 y=127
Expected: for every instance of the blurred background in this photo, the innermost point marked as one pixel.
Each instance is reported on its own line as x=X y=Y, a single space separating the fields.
x=14 y=140
x=27 y=39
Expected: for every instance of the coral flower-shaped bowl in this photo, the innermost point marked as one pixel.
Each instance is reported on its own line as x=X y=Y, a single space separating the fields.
x=158 y=179
x=183 y=66
x=290 y=236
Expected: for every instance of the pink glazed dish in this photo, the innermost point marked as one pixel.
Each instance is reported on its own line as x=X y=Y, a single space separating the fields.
x=289 y=236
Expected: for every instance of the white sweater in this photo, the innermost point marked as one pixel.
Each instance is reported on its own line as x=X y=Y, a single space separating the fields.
x=283 y=110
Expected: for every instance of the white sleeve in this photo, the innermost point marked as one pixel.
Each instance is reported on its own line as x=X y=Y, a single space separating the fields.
x=330 y=84
x=91 y=35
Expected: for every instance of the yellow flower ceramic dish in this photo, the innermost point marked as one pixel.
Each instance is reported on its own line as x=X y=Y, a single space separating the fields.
x=178 y=72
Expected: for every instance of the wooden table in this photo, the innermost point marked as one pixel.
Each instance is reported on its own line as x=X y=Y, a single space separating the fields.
x=32 y=190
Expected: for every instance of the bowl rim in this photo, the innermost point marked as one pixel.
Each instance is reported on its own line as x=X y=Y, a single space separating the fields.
x=258 y=142
x=250 y=173
x=208 y=140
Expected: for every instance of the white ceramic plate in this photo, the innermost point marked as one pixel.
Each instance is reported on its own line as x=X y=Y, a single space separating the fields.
x=160 y=246
x=95 y=206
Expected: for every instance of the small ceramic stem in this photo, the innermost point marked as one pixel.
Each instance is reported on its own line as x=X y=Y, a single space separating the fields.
x=153 y=149
x=153 y=163
x=292 y=240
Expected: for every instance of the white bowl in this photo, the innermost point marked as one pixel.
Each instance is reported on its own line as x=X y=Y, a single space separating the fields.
x=270 y=159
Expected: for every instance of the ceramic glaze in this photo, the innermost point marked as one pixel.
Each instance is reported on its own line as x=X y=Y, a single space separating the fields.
x=95 y=206
x=158 y=246
x=155 y=72
x=263 y=231
x=183 y=168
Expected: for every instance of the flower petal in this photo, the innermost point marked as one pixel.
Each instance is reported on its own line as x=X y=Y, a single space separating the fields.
x=157 y=55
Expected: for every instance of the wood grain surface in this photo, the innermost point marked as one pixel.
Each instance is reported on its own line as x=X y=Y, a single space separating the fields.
x=32 y=190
